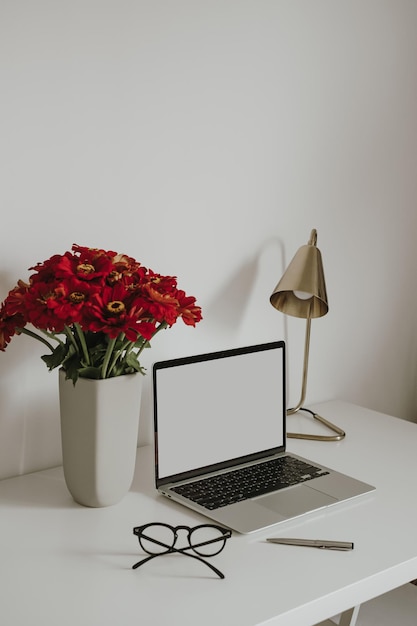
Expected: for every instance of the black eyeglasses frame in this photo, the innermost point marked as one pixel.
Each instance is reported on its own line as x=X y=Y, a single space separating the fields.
x=169 y=549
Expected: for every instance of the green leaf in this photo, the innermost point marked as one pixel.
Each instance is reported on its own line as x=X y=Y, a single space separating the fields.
x=89 y=372
x=132 y=362
x=57 y=357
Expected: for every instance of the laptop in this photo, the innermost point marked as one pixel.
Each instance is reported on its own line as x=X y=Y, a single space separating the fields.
x=220 y=437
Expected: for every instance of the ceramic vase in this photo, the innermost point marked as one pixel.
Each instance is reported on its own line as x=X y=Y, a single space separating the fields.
x=99 y=433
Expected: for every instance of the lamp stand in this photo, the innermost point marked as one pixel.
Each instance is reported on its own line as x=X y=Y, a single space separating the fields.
x=340 y=434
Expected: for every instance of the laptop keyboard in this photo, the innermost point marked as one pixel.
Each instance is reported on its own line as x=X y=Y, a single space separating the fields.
x=248 y=482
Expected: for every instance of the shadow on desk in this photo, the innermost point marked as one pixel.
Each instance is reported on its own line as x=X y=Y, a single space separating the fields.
x=44 y=489
x=143 y=480
x=47 y=488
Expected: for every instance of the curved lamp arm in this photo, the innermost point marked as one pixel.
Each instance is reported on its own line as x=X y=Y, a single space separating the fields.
x=340 y=434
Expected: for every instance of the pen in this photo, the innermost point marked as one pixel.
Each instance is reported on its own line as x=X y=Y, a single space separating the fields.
x=313 y=543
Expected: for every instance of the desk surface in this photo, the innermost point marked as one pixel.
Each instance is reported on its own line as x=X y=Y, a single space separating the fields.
x=63 y=564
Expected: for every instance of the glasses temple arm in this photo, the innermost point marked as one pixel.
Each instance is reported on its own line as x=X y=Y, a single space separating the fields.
x=146 y=559
x=181 y=551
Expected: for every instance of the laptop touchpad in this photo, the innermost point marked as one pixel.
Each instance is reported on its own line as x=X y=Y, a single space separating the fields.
x=296 y=501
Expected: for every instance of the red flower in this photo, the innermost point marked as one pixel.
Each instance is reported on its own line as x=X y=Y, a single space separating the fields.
x=146 y=329
x=159 y=296
x=162 y=306
x=97 y=292
x=12 y=313
x=71 y=299
x=46 y=272
x=8 y=326
x=87 y=264
x=41 y=302
x=15 y=301
x=109 y=312
x=190 y=313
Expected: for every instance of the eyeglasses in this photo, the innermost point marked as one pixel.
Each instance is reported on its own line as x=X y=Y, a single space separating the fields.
x=205 y=540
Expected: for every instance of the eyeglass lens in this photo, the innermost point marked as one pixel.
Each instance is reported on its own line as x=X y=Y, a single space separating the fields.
x=156 y=538
x=205 y=540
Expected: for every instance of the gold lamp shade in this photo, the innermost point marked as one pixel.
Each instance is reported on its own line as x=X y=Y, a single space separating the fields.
x=301 y=292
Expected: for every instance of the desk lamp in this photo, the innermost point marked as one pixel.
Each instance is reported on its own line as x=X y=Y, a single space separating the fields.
x=301 y=292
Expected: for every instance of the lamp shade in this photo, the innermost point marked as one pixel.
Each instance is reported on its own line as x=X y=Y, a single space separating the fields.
x=301 y=292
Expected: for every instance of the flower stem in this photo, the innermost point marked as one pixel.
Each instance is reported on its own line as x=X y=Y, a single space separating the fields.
x=52 y=336
x=161 y=326
x=30 y=333
x=121 y=353
x=107 y=357
x=71 y=338
x=83 y=344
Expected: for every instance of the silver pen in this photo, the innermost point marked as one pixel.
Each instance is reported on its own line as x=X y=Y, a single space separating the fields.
x=313 y=543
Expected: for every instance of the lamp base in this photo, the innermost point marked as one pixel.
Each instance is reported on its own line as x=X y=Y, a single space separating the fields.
x=340 y=434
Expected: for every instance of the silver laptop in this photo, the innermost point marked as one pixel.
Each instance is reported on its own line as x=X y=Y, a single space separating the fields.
x=220 y=424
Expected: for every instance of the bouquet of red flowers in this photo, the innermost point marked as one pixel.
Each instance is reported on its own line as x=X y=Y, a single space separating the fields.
x=100 y=308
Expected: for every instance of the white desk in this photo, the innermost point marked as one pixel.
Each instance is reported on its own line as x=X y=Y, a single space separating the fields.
x=65 y=565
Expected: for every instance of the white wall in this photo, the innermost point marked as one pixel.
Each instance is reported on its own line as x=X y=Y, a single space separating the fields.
x=206 y=139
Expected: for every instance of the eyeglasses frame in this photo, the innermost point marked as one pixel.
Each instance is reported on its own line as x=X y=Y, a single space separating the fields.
x=225 y=534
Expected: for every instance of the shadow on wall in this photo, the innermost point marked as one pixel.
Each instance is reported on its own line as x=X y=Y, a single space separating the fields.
x=241 y=309
x=228 y=308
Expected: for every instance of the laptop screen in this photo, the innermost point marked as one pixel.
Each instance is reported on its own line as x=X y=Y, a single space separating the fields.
x=214 y=408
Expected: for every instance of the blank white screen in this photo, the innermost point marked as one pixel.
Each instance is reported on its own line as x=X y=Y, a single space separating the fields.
x=215 y=410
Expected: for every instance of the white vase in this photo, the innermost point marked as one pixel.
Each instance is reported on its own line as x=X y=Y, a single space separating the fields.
x=99 y=432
